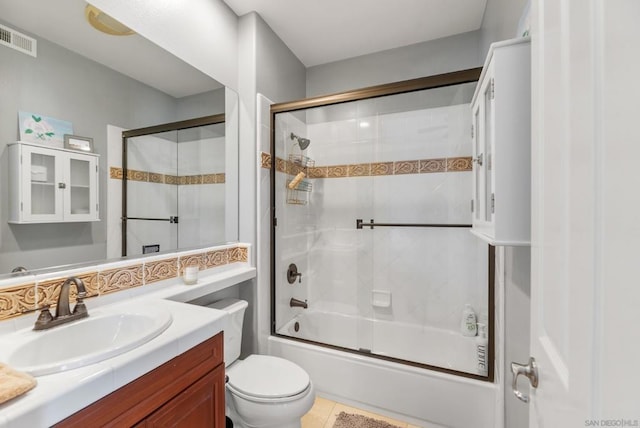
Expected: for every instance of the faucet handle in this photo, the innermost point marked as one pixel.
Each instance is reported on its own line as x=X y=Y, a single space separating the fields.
x=80 y=307
x=44 y=318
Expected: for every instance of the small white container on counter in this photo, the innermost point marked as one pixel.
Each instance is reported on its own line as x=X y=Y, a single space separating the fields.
x=190 y=275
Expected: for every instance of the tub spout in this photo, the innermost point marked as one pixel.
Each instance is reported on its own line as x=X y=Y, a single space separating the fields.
x=295 y=303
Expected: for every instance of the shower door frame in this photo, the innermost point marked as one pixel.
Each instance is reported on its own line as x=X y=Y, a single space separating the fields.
x=419 y=84
x=150 y=130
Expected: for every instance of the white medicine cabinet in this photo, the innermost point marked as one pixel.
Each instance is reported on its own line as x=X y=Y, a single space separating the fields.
x=52 y=185
x=501 y=138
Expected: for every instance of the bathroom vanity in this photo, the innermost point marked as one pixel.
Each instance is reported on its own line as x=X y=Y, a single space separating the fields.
x=186 y=391
x=176 y=377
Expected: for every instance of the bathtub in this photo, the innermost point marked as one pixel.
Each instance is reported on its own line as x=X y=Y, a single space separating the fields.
x=418 y=395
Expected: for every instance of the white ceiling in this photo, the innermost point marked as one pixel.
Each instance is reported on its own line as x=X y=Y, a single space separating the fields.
x=322 y=31
x=63 y=22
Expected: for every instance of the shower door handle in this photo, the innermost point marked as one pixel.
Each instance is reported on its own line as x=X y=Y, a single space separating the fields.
x=530 y=370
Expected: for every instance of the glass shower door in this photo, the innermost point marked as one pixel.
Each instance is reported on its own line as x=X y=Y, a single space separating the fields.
x=201 y=189
x=152 y=193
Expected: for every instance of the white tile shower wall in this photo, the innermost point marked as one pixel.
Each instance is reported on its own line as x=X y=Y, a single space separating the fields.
x=420 y=134
x=152 y=153
x=431 y=273
x=205 y=156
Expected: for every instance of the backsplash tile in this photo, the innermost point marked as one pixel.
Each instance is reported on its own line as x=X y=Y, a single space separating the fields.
x=238 y=254
x=120 y=279
x=197 y=259
x=160 y=270
x=49 y=290
x=17 y=300
x=216 y=258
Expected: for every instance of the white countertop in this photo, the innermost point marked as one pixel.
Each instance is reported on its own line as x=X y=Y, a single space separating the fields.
x=59 y=395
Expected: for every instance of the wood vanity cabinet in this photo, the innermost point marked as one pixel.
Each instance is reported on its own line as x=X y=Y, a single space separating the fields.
x=187 y=391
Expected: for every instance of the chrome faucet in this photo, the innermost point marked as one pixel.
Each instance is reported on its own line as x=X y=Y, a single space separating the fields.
x=63 y=311
x=295 y=303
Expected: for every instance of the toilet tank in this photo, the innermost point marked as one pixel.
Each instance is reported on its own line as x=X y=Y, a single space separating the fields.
x=233 y=333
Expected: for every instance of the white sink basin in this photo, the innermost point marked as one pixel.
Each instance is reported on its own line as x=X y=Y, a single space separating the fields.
x=106 y=333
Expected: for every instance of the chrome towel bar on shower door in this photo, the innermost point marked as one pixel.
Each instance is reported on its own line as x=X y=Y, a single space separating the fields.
x=360 y=224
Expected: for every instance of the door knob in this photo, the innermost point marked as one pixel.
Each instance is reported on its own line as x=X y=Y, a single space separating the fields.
x=530 y=370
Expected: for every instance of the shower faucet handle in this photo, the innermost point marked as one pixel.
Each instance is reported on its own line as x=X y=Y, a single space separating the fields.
x=292 y=274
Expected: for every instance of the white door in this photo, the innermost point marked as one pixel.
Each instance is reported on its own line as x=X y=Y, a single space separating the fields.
x=585 y=204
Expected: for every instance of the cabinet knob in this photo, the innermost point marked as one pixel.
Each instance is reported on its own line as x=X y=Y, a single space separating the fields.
x=62 y=186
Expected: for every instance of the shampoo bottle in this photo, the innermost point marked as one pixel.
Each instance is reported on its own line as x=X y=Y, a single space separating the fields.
x=481 y=350
x=468 y=325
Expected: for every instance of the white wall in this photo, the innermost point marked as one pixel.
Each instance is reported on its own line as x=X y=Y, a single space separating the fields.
x=204 y=34
x=453 y=53
x=500 y=22
x=265 y=65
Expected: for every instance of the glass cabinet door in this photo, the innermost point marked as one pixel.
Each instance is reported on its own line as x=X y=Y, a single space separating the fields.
x=488 y=150
x=41 y=198
x=80 y=198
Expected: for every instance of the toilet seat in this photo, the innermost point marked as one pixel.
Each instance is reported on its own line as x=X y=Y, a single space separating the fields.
x=266 y=378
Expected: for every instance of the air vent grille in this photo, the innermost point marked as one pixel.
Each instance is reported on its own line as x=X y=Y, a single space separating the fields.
x=18 y=41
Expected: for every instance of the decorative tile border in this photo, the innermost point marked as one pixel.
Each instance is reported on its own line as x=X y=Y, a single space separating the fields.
x=265 y=160
x=22 y=298
x=49 y=290
x=216 y=258
x=119 y=279
x=160 y=270
x=116 y=173
x=414 y=166
x=17 y=300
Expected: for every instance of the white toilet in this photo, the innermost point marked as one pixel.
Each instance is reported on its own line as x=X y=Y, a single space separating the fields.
x=263 y=391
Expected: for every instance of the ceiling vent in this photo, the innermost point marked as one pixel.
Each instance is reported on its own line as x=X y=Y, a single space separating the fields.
x=18 y=41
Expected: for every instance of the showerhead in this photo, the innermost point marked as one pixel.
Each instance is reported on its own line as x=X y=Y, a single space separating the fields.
x=302 y=142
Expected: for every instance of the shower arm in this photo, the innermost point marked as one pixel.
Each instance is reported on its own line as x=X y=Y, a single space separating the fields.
x=360 y=224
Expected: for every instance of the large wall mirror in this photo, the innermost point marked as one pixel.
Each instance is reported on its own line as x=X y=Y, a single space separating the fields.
x=106 y=85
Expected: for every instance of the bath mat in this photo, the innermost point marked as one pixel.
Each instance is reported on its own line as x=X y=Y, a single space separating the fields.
x=349 y=420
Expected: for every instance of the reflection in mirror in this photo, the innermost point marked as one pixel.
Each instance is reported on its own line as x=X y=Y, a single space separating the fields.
x=173 y=183
x=97 y=82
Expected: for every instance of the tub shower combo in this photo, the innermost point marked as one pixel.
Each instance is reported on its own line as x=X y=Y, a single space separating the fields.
x=372 y=258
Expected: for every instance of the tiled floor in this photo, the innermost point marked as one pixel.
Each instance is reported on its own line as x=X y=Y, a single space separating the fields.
x=324 y=413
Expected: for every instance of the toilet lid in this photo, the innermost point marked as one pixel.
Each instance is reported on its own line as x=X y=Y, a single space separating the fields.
x=264 y=376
